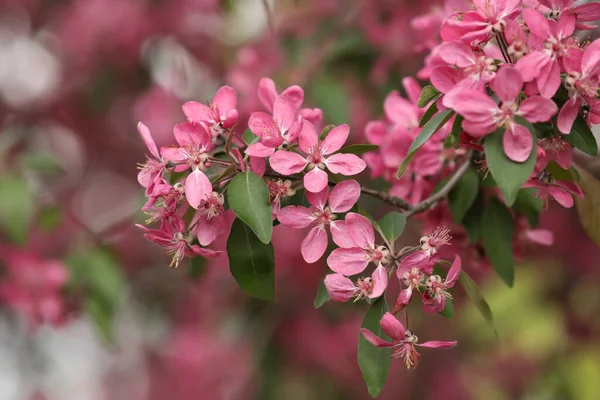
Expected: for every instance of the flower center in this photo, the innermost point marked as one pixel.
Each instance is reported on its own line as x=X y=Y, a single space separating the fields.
x=324 y=216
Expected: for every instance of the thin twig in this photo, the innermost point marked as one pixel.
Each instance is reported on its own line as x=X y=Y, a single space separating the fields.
x=443 y=192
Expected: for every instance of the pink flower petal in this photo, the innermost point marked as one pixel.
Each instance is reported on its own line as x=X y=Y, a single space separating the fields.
x=543 y=237
x=436 y=344
x=349 y=261
x=530 y=65
x=444 y=78
x=284 y=111
x=258 y=165
x=590 y=62
x=225 y=99
x=345 y=164
x=340 y=235
x=197 y=112
x=308 y=137
x=375 y=131
x=453 y=272
x=398 y=109
x=507 y=84
x=259 y=150
x=537 y=23
x=392 y=327
x=568 y=113
x=344 y=196
x=295 y=216
x=403 y=299
x=197 y=187
x=412 y=88
x=315 y=180
x=295 y=94
x=287 y=162
x=147 y=138
x=537 y=109
x=186 y=133
x=456 y=53
x=518 y=143
x=374 y=339
x=570 y=187
x=339 y=287
x=380 y=282
x=475 y=106
x=561 y=196
x=267 y=93
x=207 y=230
x=314 y=245
x=548 y=80
x=318 y=199
x=204 y=252
x=360 y=230
x=261 y=123
x=335 y=139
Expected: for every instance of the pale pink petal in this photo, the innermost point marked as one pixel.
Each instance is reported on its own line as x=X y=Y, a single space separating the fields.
x=518 y=143
x=537 y=23
x=537 y=109
x=590 y=62
x=258 y=165
x=318 y=199
x=207 y=230
x=419 y=259
x=284 y=111
x=259 y=150
x=403 y=299
x=543 y=237
x=392 y=327
x=287 y=162
x=565 y=26
x=347 y=261
x=186 y=133
x=147 y=138
x=507 y=84
x=225 y=99
x=197 y=187
x=295 y=217
x=479 y=129
x=570 y=187
x=261 y=123
x=339 y=287
x=345 y=164
x=374 y=339
x=530 y=65
x=295 y=94
x=267 y=93
x=315 y=180
x=204 y=252
x=344 y=196
x=456 y=53
x=453 y=272
x=561 y=196
x=308 y=137
x=587 y=12
x=397 y=109
x=548 y=80
x=380 y=282
x=444 y=78
x=335 y=139
x=197 y=112
x=412 y=88
x=568 y=113
x=375 y=131
x=231 y=119
x=314 y=245
x=313 y=115
x=339 y=234
x=360 y=230
x=475 y=106
x=436 y=344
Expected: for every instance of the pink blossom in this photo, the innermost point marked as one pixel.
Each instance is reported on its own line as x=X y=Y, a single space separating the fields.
x=164 y=200
x=343 y=289
x=278 y=190
x=412 y=279
x=174 y=236
x=582 y=82
x=427 y=256
x=436 y=291
x=151 y=171
x=403 y=341
x=322 y=213
x=288 y=162
x=267 y=94
x=557 y=149
x=483 y=116
x=584 y=12
x=561 y=191
x=353 y=257
x=543 y=64
x=209 y=219
x=219 y=116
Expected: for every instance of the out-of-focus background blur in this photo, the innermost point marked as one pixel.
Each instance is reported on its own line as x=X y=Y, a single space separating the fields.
x=89 y=310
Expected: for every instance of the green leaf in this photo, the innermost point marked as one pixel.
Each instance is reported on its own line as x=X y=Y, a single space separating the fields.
x=374 y=362
x=252 y=262
x=427 y=115
x=358 y=149
x=249 y=137
x=426 y=133
x=463 y=195
x=528 y=205
x=50 y=218
x=332 y=97
x=588 y=208
x=509 y=175
x=326 y=131
x=561 y=174
x=102 y=315
x=322 y=295
x=248 y=197
x=497 y=229
x=581 y=136
x=476 y=297
x=392 y=225
x=428 y=94
x=16 y=207
x=41 y=163
x=454 y=137
x=472 y=220
x=448 y=311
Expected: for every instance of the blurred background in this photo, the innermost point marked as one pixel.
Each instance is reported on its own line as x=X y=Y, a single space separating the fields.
x=89 y=310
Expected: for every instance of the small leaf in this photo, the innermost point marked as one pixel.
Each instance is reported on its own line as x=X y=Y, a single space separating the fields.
x=448 y=311
x=529 y=205
x=474 y=294
x=581 y=137
x=426 y=133
x=326 y=131
x=509 y=175
x=588 y=208
x=16 y=207
x=374 y=362
x=561 y=174
x=428 y=94
x=392 y=225
x=248 y=197
x=462 y=196
x=358 y=149
x=454 y=137
x=322 y=295
x=249 y=137
x=472 y=220
x=427 y=115
x=497 y=229
x=252 y=262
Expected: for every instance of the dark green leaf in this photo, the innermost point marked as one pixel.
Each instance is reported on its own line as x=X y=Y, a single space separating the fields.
x=454 y=136
x=358 y=149
x=322 y=295
x=326 y=131
x=581 y=137
x=427 y=115
x=462 y=196
x=392 y=225
x=509 y=175
x=528 y=205
x=561 y=174
x=428 y=94
x=426 y=133
x=16 y=207
x=448 y=311
x=49 y=218
x=497 y=229
x=249 y=137
x=472 y=220
x=248 y=197
x=374 y=362
x=252 y=262
x=474 y=294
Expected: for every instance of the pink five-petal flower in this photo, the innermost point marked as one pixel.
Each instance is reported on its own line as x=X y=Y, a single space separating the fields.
x=341 y=199
x=281 y=127
x=561 y=191
x=436 y=293
x=544 y=65
x=584 y=12
x=209 y=219
x=353 y=260
x=343 y=289
x=220 y=115
x=412 y=279
x=425 y=258
x=194 y=143
x=403 y=341
x=318 y=156
x=483 y=116
x=267 y=94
